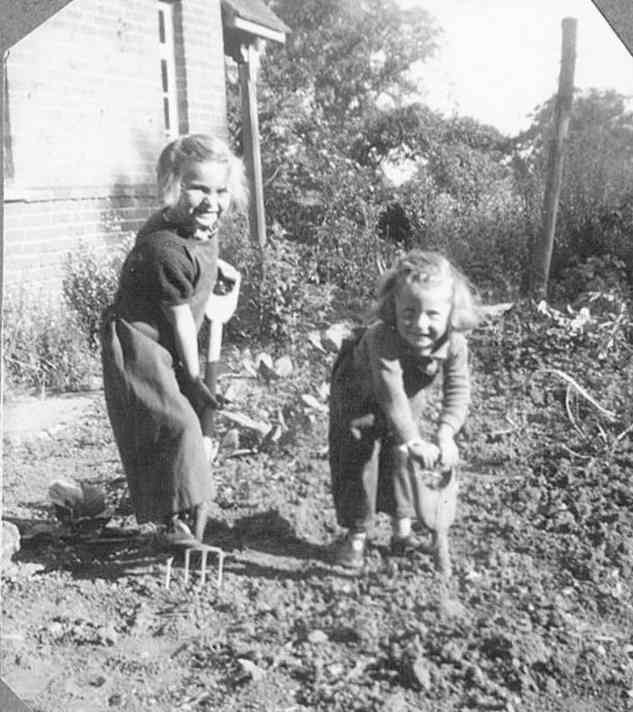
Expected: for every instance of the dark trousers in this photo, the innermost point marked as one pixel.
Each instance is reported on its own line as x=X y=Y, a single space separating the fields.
x=369 y=473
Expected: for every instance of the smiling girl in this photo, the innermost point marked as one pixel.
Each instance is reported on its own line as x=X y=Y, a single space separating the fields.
x=378 y=391
x=154 y=391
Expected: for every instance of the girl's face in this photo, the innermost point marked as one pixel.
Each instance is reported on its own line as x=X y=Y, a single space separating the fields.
x=423 y=314
x=204 y=195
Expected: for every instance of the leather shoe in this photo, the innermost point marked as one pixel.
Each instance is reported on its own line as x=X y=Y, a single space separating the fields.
x=350 y=553
x=403 y=546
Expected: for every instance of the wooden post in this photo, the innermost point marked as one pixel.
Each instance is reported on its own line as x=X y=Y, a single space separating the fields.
x=3 y=108
x=250 y=128
x=545 y=242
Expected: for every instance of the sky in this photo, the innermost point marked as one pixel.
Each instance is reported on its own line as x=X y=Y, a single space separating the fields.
x=499 y=59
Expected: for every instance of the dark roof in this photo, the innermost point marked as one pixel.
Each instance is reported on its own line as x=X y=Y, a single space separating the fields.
x=255 y=11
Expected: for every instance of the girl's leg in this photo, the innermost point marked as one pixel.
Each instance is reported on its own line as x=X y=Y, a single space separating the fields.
x=355 y=496
x=201 y=515
x=401 y=527
x=396 y=498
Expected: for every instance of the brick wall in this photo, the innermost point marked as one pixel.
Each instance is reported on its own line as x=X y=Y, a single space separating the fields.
x=85 y=124
x=201 y=40
x=41 y=233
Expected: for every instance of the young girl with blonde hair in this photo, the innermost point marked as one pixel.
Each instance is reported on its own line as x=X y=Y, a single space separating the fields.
x=379 y=386
x=154 y=391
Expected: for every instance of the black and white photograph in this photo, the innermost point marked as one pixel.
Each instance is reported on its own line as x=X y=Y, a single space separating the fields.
x=316 y=387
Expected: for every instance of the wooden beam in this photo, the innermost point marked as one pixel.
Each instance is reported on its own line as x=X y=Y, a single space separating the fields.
x=258 y=30
x=543 y=249
x=3 y=108
x=252 y=153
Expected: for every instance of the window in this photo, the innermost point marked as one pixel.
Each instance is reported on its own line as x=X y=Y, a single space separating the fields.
x=168 y=68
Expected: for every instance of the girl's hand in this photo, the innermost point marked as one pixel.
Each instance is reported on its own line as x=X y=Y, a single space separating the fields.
x=424 y=452
x=449 y=454
x=200 y=396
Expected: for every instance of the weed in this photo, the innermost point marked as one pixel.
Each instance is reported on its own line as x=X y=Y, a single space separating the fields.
x=90 y=281
x=43 y=346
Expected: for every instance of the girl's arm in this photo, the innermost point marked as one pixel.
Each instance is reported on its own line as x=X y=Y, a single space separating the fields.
x=393 y=400
x=388 y=385
x=456 y=387
x=181 y=319
x=186 y=341
x=455 y=401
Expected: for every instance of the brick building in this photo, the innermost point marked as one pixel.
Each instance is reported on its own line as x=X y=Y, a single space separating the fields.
x=90 y=97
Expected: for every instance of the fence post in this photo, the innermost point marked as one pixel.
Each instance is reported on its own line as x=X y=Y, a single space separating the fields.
x=542 y=257
x=247 y=69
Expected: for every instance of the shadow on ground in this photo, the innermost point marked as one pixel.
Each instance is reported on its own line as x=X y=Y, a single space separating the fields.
x=260 y=545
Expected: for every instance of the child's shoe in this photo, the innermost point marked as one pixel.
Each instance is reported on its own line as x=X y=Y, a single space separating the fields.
x=350 y=552
x=403 y=546
x=179 y=533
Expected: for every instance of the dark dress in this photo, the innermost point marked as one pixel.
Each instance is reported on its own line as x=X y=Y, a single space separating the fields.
x=157 y=431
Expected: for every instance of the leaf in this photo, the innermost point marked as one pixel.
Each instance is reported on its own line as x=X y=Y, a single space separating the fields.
x=314 y=337
x=249 y=368
x=231 y=441
x=272 y=437
x=494 y=311
x=245 y=422
x=265 y=358
x=267 y=372
x=312 y=402
x=324 y=391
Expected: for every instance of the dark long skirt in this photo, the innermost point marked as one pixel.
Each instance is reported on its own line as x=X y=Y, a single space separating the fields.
x=156 y=429
x=369 y=473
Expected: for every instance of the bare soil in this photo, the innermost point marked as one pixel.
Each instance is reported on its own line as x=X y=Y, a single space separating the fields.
x=534 y=618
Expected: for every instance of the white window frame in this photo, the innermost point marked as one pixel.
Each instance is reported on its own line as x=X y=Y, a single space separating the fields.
x=167 y=52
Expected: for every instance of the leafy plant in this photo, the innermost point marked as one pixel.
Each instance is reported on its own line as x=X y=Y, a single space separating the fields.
x=43 y=346
x=90 y=282
x=595 y=215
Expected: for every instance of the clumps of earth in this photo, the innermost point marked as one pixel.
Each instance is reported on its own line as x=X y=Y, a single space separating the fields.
x=538 y=614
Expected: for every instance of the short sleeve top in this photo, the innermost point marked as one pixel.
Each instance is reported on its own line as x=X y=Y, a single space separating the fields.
x=163 y=269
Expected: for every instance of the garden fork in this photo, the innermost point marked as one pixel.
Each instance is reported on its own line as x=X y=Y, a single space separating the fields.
x=219 y=309
x=204 y=550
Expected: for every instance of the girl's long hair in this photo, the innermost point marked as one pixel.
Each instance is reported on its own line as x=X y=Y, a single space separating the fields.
x=430 y=269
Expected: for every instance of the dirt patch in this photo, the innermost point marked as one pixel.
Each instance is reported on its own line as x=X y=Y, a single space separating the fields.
x=28 y=416
x=538 y=615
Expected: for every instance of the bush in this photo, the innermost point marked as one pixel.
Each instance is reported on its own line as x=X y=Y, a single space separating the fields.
x=89 y=285
x=282 y=300
x=351 y=257
x=43 y=346
x=581 y=281
x=487 y=238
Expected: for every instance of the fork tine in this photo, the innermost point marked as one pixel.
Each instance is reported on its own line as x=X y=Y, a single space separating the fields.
x=204 y=550
x=187 y=559
x=170 y=561
x=220 y=565
x=203 y=565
